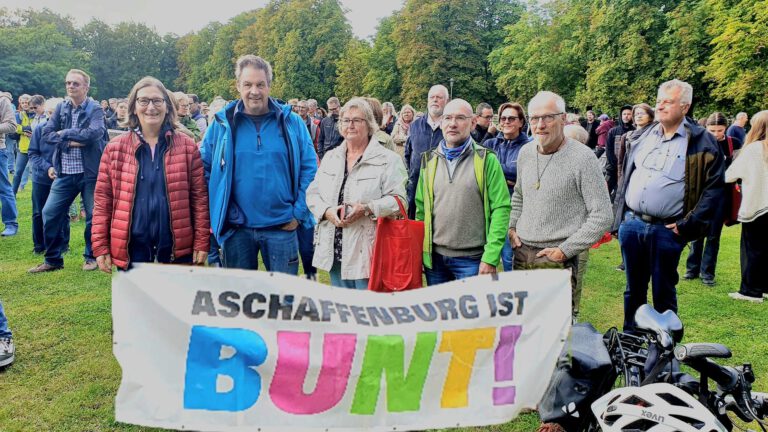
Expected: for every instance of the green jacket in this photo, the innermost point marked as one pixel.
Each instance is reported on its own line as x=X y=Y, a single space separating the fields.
x=190 y=124
x=493 y=188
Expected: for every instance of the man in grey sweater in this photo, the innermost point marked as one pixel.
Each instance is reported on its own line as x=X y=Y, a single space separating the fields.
x=7 y=197
x=560 y=206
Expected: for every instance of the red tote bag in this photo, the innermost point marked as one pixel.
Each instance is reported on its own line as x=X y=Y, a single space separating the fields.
x=396 y=260
x=733 y=196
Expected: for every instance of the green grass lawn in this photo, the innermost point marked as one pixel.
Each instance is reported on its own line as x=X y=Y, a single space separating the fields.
x=65 y=377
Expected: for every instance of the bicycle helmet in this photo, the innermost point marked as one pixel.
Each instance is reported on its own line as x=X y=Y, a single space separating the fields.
x=659 y=407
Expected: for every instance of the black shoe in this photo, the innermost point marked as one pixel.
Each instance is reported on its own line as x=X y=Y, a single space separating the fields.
x=38 y=251
x=620 y=267
x=708 y=280
x=689 y=275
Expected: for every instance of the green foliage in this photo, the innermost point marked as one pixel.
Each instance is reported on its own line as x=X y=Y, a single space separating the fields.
x=351 y=68
x=737 y=62
x=383 y=77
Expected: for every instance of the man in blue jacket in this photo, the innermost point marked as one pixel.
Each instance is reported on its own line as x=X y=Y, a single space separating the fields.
x=41 y=158
x=424 y=137
x=259 y=160
x=76 y=131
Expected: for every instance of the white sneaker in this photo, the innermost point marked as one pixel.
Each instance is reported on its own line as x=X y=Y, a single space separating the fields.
x=7 y=351
x=740 y=296
x=765 y=295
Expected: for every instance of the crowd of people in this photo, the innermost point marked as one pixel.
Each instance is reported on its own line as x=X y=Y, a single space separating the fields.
x=163 y=177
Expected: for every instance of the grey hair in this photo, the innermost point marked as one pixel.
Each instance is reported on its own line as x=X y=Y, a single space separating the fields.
x=576 y=132
x=364 y=107
x=52 y=103
x=333 y=99
x=86 y=77
x=545 y=96
x=312 y=102
x=686 y=91
x=481 y=107
x=256 y=62
x=741 y=115
x=25 y=97
x=408 y=107
x=440 y=87
x=389 y=105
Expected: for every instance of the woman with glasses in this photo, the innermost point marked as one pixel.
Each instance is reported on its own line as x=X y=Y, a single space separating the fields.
x=181 y=103
x=507 y=144
x=151 y=200
x=356 y=183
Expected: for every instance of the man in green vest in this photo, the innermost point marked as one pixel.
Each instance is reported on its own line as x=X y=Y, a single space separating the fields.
x=463 y=199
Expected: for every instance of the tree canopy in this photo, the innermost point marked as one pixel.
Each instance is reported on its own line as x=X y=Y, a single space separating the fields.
x=598 y=54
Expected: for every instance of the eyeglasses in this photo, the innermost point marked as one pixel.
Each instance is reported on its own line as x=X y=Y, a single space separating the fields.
x=33 y=107
x=509 y=119
x=143 y=102
x=357 y=122
x=334 y=110
x=548 y=118
x=458 y=118
x=488 y=117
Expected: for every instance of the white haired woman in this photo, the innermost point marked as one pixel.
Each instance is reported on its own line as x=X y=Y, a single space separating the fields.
x=356 y=183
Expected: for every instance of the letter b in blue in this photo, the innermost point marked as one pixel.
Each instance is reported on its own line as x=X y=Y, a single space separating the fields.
x=207 y=361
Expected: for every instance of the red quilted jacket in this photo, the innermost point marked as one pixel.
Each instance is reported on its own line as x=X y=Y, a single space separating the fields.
x=187 y=195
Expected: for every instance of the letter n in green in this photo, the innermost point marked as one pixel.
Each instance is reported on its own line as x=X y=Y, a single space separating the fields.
x=386 y=354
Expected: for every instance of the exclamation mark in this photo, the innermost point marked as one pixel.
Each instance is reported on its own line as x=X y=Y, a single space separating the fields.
x=504 y=362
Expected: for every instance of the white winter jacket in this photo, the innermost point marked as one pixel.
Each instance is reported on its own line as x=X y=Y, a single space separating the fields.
x=375 y=180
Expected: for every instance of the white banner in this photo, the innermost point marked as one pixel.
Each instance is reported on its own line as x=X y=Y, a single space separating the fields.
x=231 y=350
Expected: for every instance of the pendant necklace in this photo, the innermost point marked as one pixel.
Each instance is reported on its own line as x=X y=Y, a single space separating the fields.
x=537 y=185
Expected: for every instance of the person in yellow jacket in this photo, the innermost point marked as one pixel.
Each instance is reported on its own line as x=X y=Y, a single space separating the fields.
x=24 y=131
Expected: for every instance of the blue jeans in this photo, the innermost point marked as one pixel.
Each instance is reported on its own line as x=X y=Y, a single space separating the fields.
x=337 y=281
x=11 y=145
x=307 y=248
x=507 y=255
x=279 y=250
x=5 y=332
x=64 y=190
x=446 y=269
x=40 y=194
x=7 y=197
x=651 y=252
x=20 y=178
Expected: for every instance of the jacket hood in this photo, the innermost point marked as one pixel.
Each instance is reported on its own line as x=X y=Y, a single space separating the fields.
x=6 y=95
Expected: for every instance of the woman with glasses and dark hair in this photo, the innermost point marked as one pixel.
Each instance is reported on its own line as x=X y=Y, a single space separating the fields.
x=151 y=200
x=702 y=258
x=507 y=145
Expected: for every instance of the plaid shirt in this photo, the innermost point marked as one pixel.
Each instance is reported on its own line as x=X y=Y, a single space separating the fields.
x=72 y=159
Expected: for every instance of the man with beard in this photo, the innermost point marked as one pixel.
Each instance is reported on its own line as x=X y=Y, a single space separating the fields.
x=424 y=137
x=612 y=146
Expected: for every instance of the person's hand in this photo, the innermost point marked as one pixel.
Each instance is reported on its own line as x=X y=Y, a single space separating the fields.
x=554 y=254
x=358 y=211
x=486 y=268
x=52 y=173
x=514 y=240
x=332 y=216
x=492 y=129
x=76 y=144
x=673 y=227
x=105 y=263
x=199 y=257
x=28 y=133
x=290 y=226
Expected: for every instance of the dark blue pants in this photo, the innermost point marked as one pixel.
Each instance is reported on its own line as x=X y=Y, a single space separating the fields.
x=306 y=238
x=5 y=332
x=702 y=258
x=651 y=253
x=279 y=250
x=507 y=255
x=56 y=211
x=40 y=194
x=445 y=269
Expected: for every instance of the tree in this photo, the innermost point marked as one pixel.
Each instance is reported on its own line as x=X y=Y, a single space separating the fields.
x=351 y=68
x=382 y=79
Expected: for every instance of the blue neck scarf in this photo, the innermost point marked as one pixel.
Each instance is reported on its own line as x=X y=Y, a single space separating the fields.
x=453 y=153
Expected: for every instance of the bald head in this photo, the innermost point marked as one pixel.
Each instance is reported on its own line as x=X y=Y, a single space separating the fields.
x=458 y=122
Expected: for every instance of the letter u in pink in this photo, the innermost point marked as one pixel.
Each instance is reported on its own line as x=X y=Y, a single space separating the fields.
x=287 y=388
